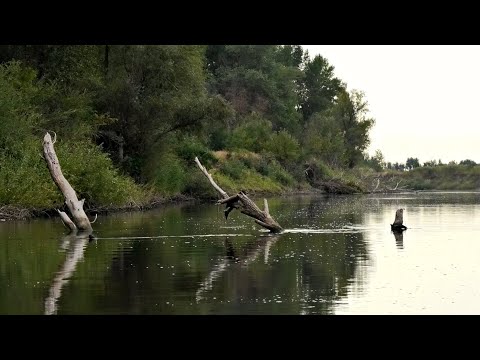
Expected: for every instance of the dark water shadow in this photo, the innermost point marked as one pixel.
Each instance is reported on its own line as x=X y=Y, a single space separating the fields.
x=74 y=244
x=235 y=258
x=398 y=234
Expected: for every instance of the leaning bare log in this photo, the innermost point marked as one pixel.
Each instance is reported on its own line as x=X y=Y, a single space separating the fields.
x=66 y=220
x=75 y=206
x=243 y=203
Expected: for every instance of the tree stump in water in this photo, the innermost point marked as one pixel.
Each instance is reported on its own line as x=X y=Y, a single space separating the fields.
x=242 y=202
x=398 y=223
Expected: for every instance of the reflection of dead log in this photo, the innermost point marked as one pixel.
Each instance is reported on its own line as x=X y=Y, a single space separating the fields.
x=242 y=202
x=251 y=254
x=75 y=245
x=75 y=206
x=207 y=284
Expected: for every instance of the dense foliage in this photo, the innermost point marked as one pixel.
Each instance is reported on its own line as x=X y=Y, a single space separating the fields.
x=131 y=118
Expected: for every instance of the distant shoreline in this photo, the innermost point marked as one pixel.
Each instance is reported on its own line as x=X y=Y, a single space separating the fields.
x=14 y=213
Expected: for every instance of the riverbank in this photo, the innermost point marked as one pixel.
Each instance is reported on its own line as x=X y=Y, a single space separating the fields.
x=10 y=213
x=257 y=181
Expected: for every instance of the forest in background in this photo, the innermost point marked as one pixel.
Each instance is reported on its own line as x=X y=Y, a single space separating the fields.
x=130 y=119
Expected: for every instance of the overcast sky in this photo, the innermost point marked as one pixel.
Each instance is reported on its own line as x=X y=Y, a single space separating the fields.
x=425 y=98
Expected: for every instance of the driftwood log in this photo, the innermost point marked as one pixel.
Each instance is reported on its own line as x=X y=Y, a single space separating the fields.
x=243 y=203
x=398 y=223
x=80 y=220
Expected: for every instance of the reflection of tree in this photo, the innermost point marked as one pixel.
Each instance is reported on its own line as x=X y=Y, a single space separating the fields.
x=74 y=244
x=249 y=255
x=398 y=238
x=308 y=275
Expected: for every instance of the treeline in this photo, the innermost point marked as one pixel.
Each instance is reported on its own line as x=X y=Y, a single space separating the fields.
x=130 y=119
x=376 y=162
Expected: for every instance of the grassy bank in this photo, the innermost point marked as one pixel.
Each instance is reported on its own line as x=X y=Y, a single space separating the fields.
x=27 y=190
x=30 y=192
x=443 y=177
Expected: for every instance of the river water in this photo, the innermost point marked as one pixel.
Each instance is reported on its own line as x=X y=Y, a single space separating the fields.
x=336 y=256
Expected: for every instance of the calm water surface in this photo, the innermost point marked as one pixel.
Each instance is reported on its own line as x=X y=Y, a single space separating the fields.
x=337 y=256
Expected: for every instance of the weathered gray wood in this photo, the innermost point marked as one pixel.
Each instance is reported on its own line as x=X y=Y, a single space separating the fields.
x=74 y=205
x=262 y=218
x=231 y=199
x=398 y=223
x=242 y=202
x=398 y=217
x=209 y=177
x=66 y=220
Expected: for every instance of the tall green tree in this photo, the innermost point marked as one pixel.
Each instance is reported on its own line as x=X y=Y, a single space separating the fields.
x=321 y=87
x=323 y=139
x=152 y=91
x=351 y=112
x=412 y=163
x=262 y=79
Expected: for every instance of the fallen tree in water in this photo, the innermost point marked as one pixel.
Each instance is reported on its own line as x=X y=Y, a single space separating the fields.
x=243 y=203
x=80 y=220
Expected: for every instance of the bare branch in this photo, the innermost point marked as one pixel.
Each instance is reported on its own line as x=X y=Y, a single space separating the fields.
x=209 y=177
x=230 y=199
x=66 y=220
x=91 y=222
x=265 y=207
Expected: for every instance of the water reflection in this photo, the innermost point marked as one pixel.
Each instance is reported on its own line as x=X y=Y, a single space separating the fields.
x=247 y=255
x=337 y=257
x=398 y=238
x=295 y=275
x=74 y=244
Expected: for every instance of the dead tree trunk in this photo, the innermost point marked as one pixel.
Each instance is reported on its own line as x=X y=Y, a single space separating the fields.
x=80 y=219
x=244 y=204
x=398 y=223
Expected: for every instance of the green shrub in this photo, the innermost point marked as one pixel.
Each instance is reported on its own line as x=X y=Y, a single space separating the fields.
x=93 y=176
x=284 y=146
x=252 y=135
x=190 y=146
x=169 y=175
x=233 y=168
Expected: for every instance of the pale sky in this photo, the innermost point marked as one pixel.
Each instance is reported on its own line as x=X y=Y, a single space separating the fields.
x=425 y=98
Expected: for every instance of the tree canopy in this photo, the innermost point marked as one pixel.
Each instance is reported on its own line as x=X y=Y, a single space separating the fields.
x=149 y=107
